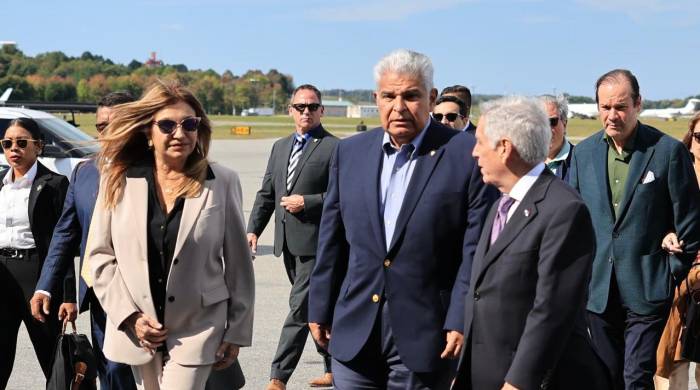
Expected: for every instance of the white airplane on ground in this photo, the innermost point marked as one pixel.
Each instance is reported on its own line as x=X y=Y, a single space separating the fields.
x=583 y=110
x=5 y=96
x=691 y=108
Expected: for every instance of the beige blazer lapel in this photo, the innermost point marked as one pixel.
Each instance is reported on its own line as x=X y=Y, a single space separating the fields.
x=136 y=201
x=190 y=213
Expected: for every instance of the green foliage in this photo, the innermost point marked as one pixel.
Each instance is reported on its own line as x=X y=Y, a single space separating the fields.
x=54 y=77
x=22 y=89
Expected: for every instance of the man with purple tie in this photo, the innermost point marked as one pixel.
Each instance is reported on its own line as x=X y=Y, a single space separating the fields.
x=525 y=322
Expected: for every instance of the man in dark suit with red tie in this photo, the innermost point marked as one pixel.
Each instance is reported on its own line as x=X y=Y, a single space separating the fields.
x=525 y=324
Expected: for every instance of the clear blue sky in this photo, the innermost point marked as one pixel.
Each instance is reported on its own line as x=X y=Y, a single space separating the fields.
x=494 y=46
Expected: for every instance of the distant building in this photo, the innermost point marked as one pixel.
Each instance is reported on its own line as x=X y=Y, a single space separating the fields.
x=153 y=61
x=258 y=111
x=336 y=108
x=363 y=111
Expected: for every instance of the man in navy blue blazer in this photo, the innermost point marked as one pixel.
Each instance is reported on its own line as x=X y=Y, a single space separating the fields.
x=402 y=216
x=71 y=232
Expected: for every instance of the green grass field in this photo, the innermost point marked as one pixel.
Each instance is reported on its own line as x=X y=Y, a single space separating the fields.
x=280 y=126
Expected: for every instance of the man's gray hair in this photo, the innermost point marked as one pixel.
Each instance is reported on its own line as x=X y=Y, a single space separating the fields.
x=523 y=121
x=407 y=62
x=560 y=102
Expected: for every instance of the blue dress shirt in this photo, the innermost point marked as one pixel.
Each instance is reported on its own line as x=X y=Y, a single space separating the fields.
x=397 y=169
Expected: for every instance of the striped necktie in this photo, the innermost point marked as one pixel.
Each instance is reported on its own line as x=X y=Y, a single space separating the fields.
x=294 y=160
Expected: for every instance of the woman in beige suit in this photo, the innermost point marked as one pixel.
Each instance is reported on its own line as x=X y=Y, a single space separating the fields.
x=167 y=247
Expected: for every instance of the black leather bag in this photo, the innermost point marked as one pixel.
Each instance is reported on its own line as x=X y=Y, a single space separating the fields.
x=74 y=366
x=690 y=336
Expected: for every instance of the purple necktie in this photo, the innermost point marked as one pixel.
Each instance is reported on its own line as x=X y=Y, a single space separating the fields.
x=501 y=217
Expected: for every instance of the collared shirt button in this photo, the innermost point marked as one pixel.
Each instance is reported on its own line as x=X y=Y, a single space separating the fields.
x=171 y=298
x=476 y=296
x=375 y=298
x=387 y=263
x=162 y=227
x=160 y=280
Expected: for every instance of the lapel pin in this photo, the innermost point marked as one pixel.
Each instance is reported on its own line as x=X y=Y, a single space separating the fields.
x=432 y=152
x=526 y=212
x=38 y=188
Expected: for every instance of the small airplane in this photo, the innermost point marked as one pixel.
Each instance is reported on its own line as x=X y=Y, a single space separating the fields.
x=583 y=110
x=65 y=107
x=690 y=108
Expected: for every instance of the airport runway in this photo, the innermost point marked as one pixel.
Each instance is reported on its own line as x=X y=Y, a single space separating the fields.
x=248 y=158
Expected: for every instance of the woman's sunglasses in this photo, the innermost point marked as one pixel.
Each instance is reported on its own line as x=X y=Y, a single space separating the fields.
x=697 y=136
x=167 y=126
x=22 y=142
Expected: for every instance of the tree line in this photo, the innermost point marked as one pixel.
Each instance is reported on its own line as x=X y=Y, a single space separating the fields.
x=57 y=77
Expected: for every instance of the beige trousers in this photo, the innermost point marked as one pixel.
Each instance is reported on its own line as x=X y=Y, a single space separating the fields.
x=168 y=375
x=679 y=379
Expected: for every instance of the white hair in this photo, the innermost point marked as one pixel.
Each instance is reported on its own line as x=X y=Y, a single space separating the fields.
x=523 y=121
x=560 y=102
x=407 y=62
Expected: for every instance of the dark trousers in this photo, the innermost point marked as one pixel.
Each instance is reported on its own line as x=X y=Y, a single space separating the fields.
x=113 y=376
x=18 y=277
x=627 y=342
x=296 y=328
x=379 y=366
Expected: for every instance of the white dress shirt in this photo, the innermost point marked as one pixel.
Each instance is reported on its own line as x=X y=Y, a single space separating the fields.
x=523 y=185
x=466 y=125
x=15 y=230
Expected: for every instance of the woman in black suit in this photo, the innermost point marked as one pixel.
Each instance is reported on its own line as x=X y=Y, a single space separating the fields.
x=31 y=200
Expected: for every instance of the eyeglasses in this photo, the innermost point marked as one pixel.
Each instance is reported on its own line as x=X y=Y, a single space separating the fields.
x=302 y=107
x=697 y=136
x=451 y=117
x=167 y=126
x=21 y=142
x=101 y=126
x=554 y=121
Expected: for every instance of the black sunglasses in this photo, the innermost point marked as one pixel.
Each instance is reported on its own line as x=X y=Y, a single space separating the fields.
x=22 y=143
x=451 y=117
x=697 y=136
x=302 y=107
x=554 y=121
x=167 y=126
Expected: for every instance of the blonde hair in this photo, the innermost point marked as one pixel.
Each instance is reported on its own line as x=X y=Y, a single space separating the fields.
x=124 y=142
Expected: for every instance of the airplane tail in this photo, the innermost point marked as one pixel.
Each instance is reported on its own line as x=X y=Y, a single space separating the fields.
x=5 y=96
x=693 y=106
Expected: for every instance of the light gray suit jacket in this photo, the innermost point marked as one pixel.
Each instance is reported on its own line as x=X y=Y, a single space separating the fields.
x=212 y=282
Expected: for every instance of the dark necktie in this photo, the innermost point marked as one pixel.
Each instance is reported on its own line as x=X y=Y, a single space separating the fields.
x=501 y=216
x=294 y=160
